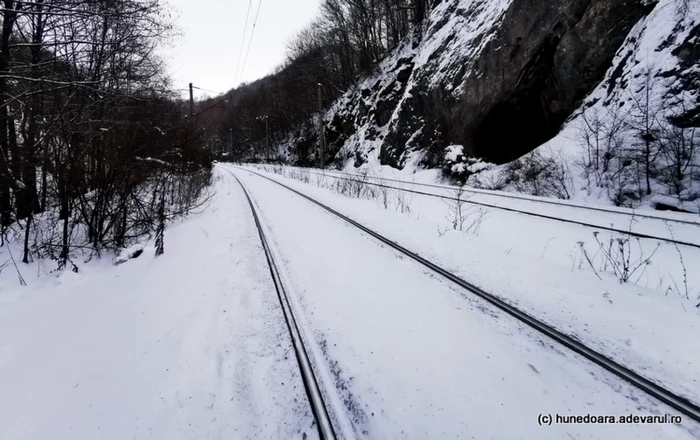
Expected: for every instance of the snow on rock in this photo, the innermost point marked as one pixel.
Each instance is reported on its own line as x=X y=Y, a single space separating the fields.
x=652 y=90
x=454 y=153
x=496 y=76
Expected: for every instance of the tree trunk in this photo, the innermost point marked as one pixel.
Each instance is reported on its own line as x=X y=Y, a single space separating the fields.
x=647 y=165
x=44 y=183
x=6 y=179
x=160 y=229
x=63 y=258
x=25 y=257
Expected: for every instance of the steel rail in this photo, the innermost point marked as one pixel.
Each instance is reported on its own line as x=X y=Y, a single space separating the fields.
x=681 y=404
x=493 y=193
x=529 y=213
x=313 y=392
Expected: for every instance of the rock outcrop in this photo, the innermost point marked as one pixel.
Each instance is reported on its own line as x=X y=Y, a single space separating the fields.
x=499 y=77
x=553 y=54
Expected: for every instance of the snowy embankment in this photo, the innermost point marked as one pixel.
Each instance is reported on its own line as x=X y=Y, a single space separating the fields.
x=644 y=221
x=191 y=344
x=538 y=266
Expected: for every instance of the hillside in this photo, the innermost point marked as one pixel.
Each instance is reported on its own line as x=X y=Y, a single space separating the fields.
x=501 y=78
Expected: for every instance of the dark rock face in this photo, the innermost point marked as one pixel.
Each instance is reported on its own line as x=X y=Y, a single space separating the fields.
x=689 y=55
x=498 y=78
x=545 y=58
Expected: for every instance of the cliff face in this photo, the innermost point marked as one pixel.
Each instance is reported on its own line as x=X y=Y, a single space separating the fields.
x=552 y=55
x=499 y=77
x=644 y=113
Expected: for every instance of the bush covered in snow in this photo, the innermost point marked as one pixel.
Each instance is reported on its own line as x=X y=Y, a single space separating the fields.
x=458 y=167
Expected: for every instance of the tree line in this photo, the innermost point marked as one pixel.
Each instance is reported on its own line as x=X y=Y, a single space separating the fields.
x=96 y=151
x=346 y=40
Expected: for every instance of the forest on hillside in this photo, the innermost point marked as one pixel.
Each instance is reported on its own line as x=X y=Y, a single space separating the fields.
x=346 y=40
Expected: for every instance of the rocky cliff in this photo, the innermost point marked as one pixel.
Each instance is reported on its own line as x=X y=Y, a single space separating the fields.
x=500 y=77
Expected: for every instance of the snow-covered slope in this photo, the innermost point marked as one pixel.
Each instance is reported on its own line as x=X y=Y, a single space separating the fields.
x=502 y=77
x=652 y=90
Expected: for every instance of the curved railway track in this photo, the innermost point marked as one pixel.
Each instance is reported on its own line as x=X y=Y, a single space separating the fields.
x=628 y=232
x=679 y=403
x=317 y=403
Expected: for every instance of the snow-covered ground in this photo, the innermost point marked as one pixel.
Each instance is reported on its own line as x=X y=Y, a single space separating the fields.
x=547 y=239
x=189 y=345
x=538 y=266
x=192 y=344
x=430 y=180
x=415 y=357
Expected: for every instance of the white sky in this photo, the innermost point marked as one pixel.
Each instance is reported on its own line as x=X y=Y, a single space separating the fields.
x=207 y=52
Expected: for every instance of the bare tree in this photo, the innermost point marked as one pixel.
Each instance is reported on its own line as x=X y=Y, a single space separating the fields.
x=85 y=102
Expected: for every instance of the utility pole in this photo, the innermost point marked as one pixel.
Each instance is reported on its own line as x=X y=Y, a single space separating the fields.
x=267 y=135
x=267 y=138
x=321 y=137
x=230 y=143
x=191 y=101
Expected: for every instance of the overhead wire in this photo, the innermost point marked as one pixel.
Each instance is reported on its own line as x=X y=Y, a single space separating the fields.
x=219 y=101
x=207 y=90
x=245 y=31
x=250 y=42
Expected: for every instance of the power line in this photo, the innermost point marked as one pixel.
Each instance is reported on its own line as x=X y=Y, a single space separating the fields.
x=220 y=101
x=250 y=42
x=207 y=90
x=245 y=31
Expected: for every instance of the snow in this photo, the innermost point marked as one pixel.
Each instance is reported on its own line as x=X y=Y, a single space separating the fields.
x=417 y=358
x=536 y=265
x=646 y=53
x=453 y=153
x=188 y=345
x=192 y=344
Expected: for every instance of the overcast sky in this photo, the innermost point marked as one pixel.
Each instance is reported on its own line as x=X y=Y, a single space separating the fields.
x=207 y=52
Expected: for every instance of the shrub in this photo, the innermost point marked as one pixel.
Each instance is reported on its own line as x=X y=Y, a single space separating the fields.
x=540 y=176
x=458 y=167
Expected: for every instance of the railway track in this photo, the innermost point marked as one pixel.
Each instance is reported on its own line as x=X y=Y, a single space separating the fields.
x=317 y=403
x=519 y=197
x=679 y=403
x=628 y=232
